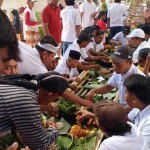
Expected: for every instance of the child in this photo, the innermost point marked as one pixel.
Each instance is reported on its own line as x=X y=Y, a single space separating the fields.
x=137 y=95
x=101 y=23
x=110 y=117
x=144 y=61
x=68 y=68
x=10 y=67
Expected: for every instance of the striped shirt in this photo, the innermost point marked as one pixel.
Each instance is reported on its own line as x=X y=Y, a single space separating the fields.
x=19 y=109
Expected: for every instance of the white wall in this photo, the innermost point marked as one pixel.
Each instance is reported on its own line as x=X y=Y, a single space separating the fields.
x=15 y=4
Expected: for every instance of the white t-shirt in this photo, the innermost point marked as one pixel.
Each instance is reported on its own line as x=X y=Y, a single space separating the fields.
x=62 y=68
x=93 y=45
x=116 y=13
x=136 y=52
x=88 y=9
x=75 y=46
x=70 y=18
x=148 y=41
x=130 y=141
x=117 y=81
x=31 y=62
x=142 y=120
x=120 y=37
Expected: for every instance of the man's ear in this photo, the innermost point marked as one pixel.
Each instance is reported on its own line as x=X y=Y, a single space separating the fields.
x=135 y=99
x=45 y=53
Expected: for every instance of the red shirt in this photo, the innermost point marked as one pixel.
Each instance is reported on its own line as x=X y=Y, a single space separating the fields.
x=51 y=16
x=102 y=25
x=27 y=19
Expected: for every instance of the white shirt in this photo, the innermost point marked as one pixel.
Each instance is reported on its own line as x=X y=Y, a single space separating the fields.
x=148 y=41
x=31 y=62
x=88 y=9
x=62 y=68
x=130 y=141
x=115 y=13
x=70 y=18
x=142 y=120
x=120 y=37
x=32 y=18
x=93 y=45
x=136 y=52
x=75 y=46
x=117 y=81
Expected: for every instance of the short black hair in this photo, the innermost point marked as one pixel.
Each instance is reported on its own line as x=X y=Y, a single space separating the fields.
x=101 y=13
x=47 y=39
x=94 y=27
x=118 y=129
x=70 y=2
x=99 y=32
x=8 y=37
x=117 y=1
x=140 y=86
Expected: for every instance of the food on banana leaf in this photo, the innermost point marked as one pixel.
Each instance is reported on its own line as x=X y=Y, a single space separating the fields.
x=67 y=106
x=59 y=125
x=64 y=141
x=93 y=73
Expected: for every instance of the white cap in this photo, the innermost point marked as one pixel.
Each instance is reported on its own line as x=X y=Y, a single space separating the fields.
x=137 y=33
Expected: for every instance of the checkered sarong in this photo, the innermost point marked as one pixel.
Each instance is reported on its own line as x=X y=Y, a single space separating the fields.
x=32 y=38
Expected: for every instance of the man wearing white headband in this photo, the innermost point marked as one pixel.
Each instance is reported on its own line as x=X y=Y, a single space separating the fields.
x=36 y=60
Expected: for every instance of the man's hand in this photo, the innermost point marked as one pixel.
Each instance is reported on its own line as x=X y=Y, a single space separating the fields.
x=104 y=72
x=85 y=114
x=148 y=59
x=48 y=107
x=118 y=43
x=90 y=95
x=86 y=103
x=77 y=79
x=73 y=87
x=13 y=147
x=51 y=124
x=97 y=67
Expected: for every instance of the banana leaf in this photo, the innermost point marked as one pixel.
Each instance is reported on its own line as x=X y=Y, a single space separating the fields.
x=87 y=143
x=91 y=86
x=66 y=127
x=110 y=95
x=8 y=140
x=64 y=141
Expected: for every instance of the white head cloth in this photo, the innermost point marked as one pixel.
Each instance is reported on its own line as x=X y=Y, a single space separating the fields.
x=49 y=47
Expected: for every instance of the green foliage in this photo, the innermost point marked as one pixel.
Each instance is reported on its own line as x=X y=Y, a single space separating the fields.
x=39 y=19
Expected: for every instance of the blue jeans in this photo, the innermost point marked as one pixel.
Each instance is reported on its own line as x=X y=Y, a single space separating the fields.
x=114 y=31
x=65 y=46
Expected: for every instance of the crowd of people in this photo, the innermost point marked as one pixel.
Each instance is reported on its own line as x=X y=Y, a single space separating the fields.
x=36 y=72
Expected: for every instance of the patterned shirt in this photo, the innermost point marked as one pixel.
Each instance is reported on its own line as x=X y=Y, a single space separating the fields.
x=19 y=109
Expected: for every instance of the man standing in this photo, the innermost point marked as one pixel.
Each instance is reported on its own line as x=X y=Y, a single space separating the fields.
x=88 y=12
x=115 y=18
x=51 y=20
x=30 y=24
x=71 y=24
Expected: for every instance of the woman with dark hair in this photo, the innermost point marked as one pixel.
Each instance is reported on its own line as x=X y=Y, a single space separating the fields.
x=16 y=21
x=8 y=40
x=111 y=118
